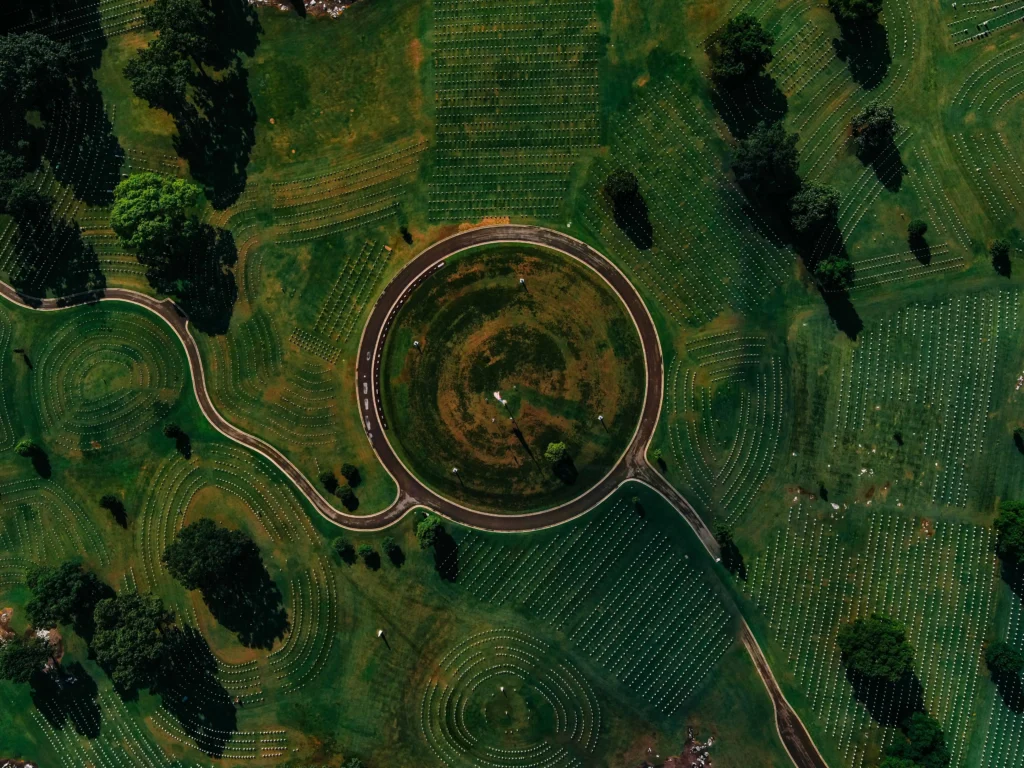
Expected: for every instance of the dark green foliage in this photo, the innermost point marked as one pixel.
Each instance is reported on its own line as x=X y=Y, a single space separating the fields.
x=33 y=69
x=740 y=49
x=343 y=549
x=556 y=453
x=152 y=212
x=129 y=639
x=369 y=556
x=329 y=481
x=874 y=130
x=184 y=26
x=204 y=555
x=1003 y=661
x=732 y=558
x=924 y=746
x=21 y=658
x=26 y=448
x=351 y=474
x=834 y=273
x=63 y=594
x=876 y=648
x=1000 y=252
x=428 y=531
x=347 y=496
x=1010 y=532
x=916 y=229
x=897 y=762
x=390 y=547
x=855 y=10
x=657 y=456
x=765 y=163
x=813 y=210
x=159 y=77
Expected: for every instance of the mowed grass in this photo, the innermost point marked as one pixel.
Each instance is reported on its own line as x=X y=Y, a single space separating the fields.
x=561 y=350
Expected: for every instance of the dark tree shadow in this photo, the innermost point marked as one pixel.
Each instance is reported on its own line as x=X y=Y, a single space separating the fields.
x=41 y=463
x=745 y=103
x=193 y=694
x=633 y=218
x=843 y=313
x=733 y=561
x=1001 y=264
x=67 y=695
x=1011 y=691
x=183 y=444
x=372 y=560
x=349 y=501
x=446 y=556
x=889 y=704
x=919 y=247
x=118 y=512
x=396 y=556
x=250 y=604
x=898 y=437
x=84 y=624
x=565 y=470
x=864 y=47
x=299 y=6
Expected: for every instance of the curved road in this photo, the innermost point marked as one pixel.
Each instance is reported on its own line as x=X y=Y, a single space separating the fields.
x=632 y=465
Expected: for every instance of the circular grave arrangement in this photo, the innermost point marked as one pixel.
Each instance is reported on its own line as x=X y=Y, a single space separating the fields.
x=499 y=354
x=502 y=699
x=104 y=377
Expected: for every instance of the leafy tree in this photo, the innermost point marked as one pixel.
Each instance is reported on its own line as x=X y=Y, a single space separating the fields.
x=184 y=27
x=556 y=453
x=26 y=448
x=62 y=594
x=897 y=762
x=368 y=555
x=657 y=456
x=766 y=162
x=347 y=496
x=172 y=430
x=925 y=744
x=351 y=473
x=1003 y=660
x=428 y=531
x=329 y=481
x=834 y=272
x=813 y=210
x=874 y=130
x=160 y=77
x=876 y=648
x=855 y=10
x=129 y=639
x=21 y=658
x=33 y=69
x=390 y=547
x=1009 y=527
x=204 y=555
x=343 y=549
x=621 y=185
x=740 y=49
x=151 y=212
x=916 y=229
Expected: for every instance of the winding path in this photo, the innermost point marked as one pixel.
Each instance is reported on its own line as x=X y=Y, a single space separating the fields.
x=632 y=465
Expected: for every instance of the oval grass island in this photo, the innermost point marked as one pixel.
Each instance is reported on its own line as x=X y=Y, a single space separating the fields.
x=504 y=352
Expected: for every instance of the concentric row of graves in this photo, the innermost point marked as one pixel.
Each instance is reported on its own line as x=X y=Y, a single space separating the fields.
x=1003 y=742
x=619 y=589
x=826 y=567
x=925 y=375
x=707 y=252
x=725 y=448
x=517 y=98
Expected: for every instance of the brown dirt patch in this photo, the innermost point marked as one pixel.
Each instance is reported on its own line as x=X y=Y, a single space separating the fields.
x=414 y=52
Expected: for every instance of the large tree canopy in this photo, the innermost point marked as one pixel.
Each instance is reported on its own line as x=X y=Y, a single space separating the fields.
x=813 y=210
x=924 y=745
x=64 y=594
x=1010 y=532
x=766 y=162
x=21 y=658
x=204 y=555
x=33 y=69
x=876 y=648
x=740 y=49
x=129 y=640
x=874 y=130
x=1003 y=660
x=151 y=210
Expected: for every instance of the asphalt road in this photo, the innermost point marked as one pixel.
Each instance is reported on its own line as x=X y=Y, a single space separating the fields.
x=411 y=492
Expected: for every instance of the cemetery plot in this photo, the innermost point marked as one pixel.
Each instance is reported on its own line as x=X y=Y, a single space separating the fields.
x=351 y=293
x=105 y=377
x=936 y=578
x=517 y=98
x=620 y=591
x=1003 y=743
x=917 y=394
x=707 y=252
x=503 y=698
x=726 y=419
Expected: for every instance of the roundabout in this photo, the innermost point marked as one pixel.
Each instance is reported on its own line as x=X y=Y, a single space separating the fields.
x=501 y=353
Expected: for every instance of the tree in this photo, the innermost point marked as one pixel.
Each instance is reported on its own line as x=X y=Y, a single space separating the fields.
x=1009 y=527
x=766 y=162
x=1003 y=661
x=63 y=594
x=834 y=272
x=21 y=658
x=916 y=229
x=33 y=69
x=329 y=481
x=925 y=744
x=874 y=130
x=347 y=496
x=151 y=211
x=26 y=448
x=814 y=210
x=204 y=555
x=351 y=474
x=876 y=648
x=129 y=639
x=740 y=49
x=556 y=453
x=368 y=555
x=160 y=77
x=855 y=10
x=172 y=430
x=428 y=531
x=390 y=547
x=897 y=762
x=343 y=549
x=657 y=456
x=184 y=27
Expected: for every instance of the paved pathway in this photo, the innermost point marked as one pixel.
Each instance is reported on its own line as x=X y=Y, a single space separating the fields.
x=411 y=492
